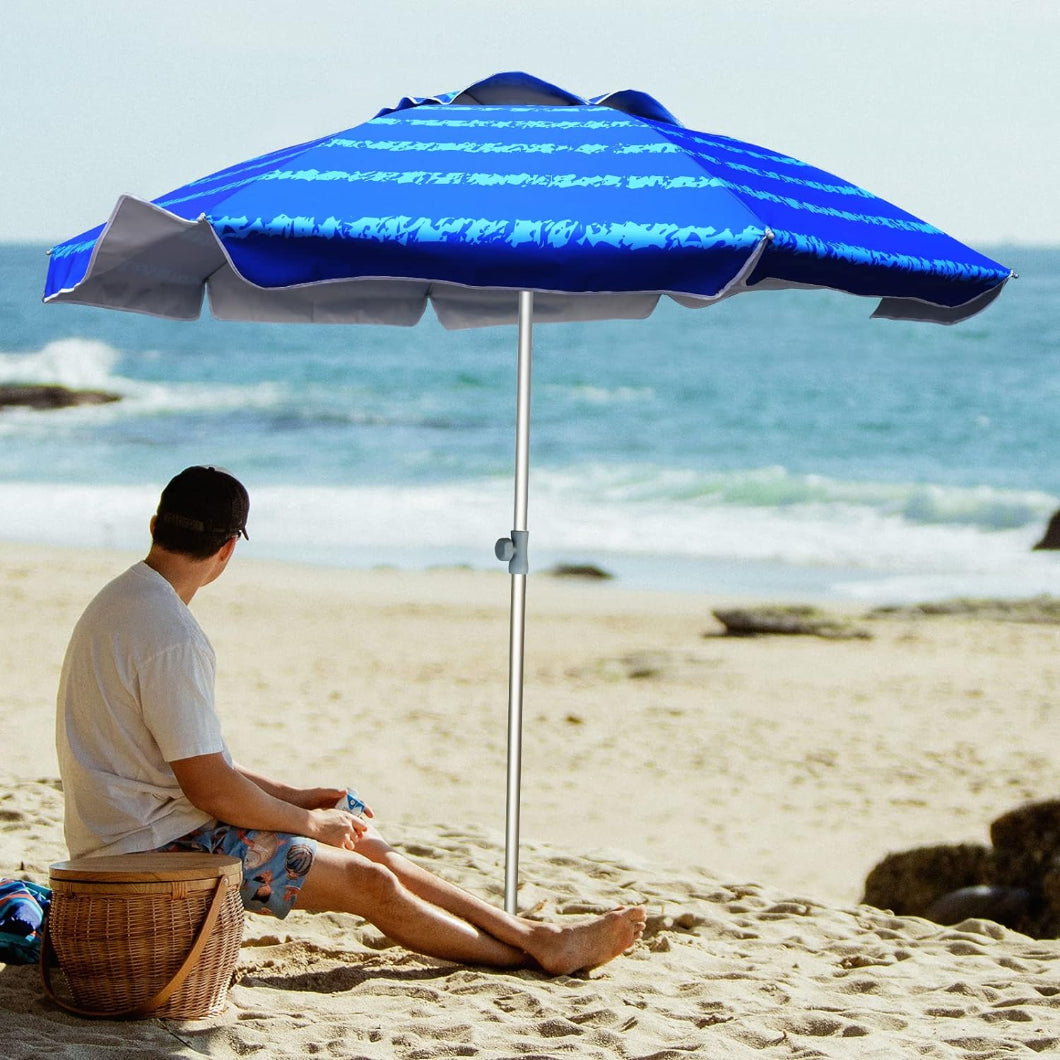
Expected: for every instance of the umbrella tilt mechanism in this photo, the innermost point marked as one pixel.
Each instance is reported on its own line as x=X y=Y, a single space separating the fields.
x=514 y=551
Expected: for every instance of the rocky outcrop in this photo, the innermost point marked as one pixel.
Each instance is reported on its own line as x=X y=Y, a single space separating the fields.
x=909 y=883
x=1041 y=609
x=1015 y=881
x=793 y=620
x=586 y=571
x=44 y=396
x=1051 y=539
x=1027 y=841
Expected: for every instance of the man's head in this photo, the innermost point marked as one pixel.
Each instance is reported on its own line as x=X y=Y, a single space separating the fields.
x=201 y=510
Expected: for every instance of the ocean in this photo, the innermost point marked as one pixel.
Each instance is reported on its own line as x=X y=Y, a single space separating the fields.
x=781 y=445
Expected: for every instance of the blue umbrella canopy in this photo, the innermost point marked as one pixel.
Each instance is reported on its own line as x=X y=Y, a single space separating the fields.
x=600 y=206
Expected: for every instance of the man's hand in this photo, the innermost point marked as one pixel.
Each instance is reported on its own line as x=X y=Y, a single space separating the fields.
x=316 y=798
x=335 y=826
x=237 y=796
x=338 y=828
x=321 y=799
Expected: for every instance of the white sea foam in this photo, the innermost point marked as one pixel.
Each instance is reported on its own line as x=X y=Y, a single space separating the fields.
x=89 y=516
x=88 y=364
x=200 y=398
x=603 y=395
x=75 y=363
x=818 y=550
x=795 y=497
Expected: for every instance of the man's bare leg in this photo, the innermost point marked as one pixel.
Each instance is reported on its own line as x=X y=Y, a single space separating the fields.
x=344 y=882
x=560 y=950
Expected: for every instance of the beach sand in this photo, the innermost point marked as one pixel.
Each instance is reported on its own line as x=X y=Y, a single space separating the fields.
x=741 y=788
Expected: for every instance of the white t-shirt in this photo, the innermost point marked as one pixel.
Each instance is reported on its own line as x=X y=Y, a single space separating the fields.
x=136 y=693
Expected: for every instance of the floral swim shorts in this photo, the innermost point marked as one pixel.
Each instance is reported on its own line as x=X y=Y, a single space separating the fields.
x=275 y=864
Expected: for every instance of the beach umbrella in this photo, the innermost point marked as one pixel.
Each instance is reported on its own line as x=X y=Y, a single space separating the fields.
x=513 y=201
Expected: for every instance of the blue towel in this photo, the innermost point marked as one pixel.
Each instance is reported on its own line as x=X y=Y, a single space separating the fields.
x=23 y=907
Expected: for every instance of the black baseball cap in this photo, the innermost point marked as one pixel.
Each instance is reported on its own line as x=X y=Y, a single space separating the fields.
x=205 y=500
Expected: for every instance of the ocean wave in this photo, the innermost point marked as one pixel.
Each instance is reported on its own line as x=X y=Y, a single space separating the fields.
x=76 y=363
x=596 y=394
x=285 y=403
x=803 y=496
x=350 y=525
x=88 y=364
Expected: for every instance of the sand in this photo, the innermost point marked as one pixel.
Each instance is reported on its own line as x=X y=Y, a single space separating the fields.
x=741 y=788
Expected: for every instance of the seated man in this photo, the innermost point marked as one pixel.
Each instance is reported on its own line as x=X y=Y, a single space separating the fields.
x=145 y=767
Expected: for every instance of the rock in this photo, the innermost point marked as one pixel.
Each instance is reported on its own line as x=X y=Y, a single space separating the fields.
x=50 y=396
x=588 y=571
x=911 y=882
x=1051 y=540
x=1015 y=882
x=1051 y=901
x=1026 y=843
x=796 y=619
x=1041 y=609
x=1009 y=906
x=644 y=664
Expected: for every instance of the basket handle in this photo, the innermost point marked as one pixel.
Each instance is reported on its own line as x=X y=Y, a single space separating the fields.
x=48 y=958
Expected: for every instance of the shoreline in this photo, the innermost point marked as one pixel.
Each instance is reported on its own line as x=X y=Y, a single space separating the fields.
x=755 y=580
x=797 y=552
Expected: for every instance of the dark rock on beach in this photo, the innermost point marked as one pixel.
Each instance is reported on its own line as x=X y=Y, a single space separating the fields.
x=1041 y=609
x=1009 y=906
x=911 y=882
x=43 y=396
x=1015 y=881
x=1027 y=841
x=1051 y=539
x=1050 y=902
x=793 y=620
x=588 y=571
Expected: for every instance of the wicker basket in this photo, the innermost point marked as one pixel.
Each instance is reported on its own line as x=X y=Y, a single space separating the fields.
x=141 y=935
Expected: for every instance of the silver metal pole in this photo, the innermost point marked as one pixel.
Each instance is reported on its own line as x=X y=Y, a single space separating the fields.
x=518 y=609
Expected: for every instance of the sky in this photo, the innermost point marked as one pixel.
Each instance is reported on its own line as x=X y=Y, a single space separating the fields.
x=948 y=108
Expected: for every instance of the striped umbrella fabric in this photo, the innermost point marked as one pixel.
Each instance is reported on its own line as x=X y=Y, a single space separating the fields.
x=599 y=206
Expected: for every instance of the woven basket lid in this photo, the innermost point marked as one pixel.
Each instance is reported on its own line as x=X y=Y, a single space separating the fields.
x=149 y=867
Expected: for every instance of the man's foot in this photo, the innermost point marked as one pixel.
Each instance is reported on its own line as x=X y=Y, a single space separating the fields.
x=563 y=950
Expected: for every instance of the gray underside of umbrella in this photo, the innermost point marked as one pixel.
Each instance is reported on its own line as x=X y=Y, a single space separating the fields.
x=150 y=261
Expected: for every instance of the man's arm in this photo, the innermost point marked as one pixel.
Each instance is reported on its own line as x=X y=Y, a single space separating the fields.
x=230 y=795
x=307 y=798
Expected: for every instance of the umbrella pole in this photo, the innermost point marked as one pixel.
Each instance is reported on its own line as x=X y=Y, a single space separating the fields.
x=514 y=549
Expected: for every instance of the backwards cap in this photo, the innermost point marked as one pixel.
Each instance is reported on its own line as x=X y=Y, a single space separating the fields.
x=205 y=500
